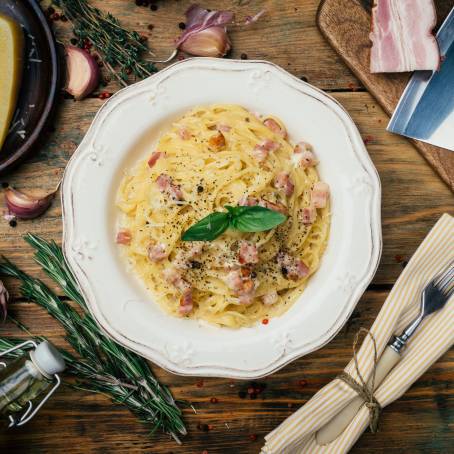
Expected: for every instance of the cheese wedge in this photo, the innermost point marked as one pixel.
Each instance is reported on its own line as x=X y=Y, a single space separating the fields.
x=11 y=50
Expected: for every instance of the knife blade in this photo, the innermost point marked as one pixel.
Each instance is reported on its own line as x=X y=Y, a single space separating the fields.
x=426 y=108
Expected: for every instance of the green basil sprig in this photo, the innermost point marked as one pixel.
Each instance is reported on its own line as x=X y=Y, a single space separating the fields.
x=242 y=218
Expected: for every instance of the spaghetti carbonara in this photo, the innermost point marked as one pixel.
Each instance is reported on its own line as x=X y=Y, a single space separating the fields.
x=212 y=157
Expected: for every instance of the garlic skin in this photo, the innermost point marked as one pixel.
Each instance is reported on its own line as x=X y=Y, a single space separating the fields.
x=211 y=42
x=24 y=206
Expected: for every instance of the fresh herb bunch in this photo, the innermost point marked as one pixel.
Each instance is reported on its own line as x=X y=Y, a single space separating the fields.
x=242 y=218
x=104 y=366
x=120 y=50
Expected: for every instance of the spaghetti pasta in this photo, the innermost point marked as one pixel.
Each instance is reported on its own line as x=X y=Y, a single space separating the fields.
x=215 y=156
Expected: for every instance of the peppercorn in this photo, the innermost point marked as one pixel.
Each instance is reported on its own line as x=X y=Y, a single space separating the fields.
x=13 y=223
x=243 y=56
x=213 y=400
x=242 y=394
x=199 y=189
x=154 y=7
x=182 y=25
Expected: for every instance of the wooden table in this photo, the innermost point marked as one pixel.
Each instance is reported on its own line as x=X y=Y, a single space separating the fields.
x=413 y=199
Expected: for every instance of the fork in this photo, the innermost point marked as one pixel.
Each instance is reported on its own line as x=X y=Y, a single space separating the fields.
x=434 y=296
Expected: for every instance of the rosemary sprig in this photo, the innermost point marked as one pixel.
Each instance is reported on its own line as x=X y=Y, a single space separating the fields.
x=120 y=50
x=104 y=366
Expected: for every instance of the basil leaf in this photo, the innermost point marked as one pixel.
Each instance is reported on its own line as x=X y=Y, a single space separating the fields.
x=235 y=211
x=257 y=219
x=208 y=228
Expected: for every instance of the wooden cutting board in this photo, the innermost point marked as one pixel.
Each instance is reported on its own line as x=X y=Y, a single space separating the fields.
x=346 y=25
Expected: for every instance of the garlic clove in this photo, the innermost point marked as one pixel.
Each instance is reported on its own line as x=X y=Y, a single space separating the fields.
x=24 y=206
x=211 y=42
x=82 y=72
x=4 y=299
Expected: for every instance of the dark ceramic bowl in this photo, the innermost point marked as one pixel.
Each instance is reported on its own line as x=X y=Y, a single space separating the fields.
x=40 y=82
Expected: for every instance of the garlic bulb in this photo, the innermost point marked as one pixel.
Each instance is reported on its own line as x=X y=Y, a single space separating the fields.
x=24 y=206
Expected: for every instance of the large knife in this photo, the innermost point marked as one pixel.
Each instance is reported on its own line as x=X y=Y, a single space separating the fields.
x=426 y=109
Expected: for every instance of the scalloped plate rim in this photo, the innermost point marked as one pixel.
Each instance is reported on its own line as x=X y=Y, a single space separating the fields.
x=218 y=370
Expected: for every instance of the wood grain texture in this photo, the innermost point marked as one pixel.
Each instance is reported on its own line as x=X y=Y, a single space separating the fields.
x=420 y=422
x=413 y=199
x=346 y=26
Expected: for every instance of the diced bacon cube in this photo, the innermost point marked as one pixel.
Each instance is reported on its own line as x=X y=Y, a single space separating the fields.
x=301 y=147
x=282 y=181
x=279 y=207
x=275 y=127
x=224 y=127
x=263 y=149
x=292 y=267
x=166 y=185
x=184 y=134
x=157 y=252
x=247 y=201
x=217 y=142
x=248 y=253
x=308 y=215
x=270 y=298
x=154 y=158
x=320 y=194
x=241 y=284
x=124 y=237
x=186 y=302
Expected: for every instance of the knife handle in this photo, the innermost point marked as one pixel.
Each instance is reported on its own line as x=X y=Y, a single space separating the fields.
x=330 y=431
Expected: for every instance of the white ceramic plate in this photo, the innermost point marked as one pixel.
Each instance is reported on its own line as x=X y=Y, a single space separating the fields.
x=124 y=131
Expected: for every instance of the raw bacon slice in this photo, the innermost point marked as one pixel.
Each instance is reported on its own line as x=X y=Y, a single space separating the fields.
x=402 y=36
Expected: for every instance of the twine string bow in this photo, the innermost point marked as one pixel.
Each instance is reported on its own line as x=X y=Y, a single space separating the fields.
x=362 y=389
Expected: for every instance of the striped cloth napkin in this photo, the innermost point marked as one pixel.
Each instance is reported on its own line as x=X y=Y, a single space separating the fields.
x=434 y=337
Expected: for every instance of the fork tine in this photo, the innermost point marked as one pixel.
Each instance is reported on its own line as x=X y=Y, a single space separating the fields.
x=446 y=280
x=448 y=270
x=449 y=294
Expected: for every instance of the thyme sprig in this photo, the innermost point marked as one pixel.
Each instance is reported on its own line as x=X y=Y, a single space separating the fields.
x=119 y=49
x=103 y=366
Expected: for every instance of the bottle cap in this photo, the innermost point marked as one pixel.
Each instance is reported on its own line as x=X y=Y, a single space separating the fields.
x=48 y=359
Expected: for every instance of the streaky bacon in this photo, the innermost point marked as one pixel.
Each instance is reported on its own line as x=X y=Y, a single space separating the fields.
x=401 y=35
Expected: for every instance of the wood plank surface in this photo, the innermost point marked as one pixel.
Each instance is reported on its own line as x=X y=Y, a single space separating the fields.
x=420 y=422
x=413 y=199
x=346 y=25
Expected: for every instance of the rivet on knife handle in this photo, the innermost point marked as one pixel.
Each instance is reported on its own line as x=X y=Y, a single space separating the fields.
x=434 y=296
